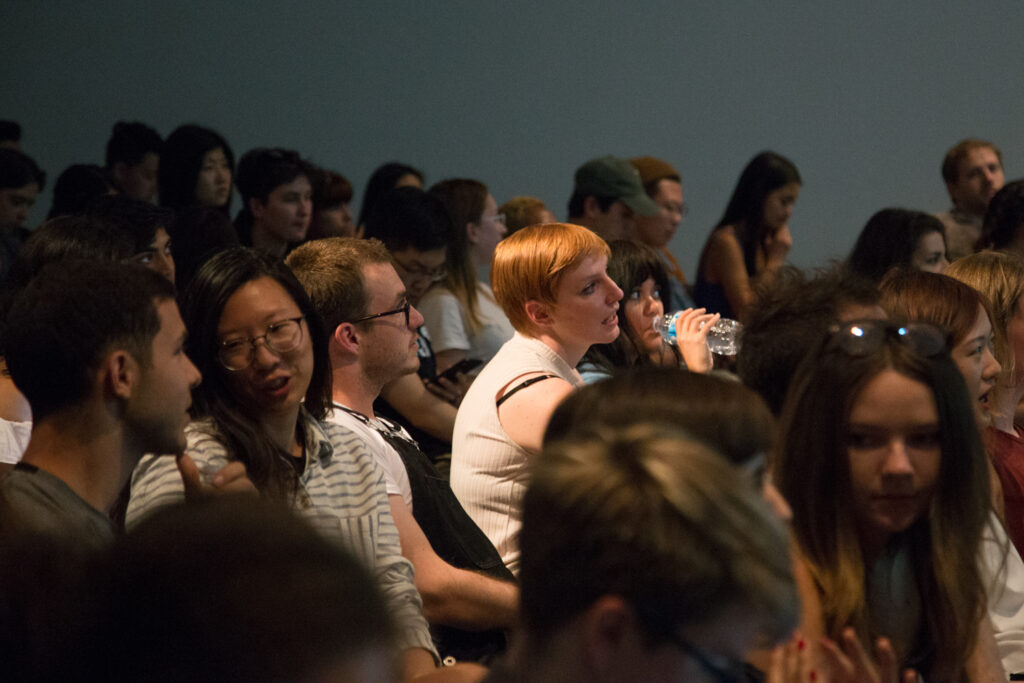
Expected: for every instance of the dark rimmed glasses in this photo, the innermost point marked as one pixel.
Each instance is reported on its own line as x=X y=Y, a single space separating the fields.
x=404 y=309
x=280 y=337
x=864 y=337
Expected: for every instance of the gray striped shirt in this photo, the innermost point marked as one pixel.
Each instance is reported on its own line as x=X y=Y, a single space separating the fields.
x=341 y=493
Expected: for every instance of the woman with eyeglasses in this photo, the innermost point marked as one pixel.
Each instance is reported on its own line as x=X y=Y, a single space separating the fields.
x=267 y=389
x=462 y=316
x=883 y=467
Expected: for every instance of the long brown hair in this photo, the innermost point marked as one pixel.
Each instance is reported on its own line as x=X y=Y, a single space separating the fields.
x=464 y=199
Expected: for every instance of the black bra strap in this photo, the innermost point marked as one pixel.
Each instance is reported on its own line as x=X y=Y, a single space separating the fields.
x=532 y=380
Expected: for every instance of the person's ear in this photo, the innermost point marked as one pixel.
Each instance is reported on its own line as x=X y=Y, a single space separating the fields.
x=591 y=207
x=472 y=232
x=120 y=172
x=119 y=374
x=346 y=337
x=256 y=208
x=610 y=634
x=539 y=313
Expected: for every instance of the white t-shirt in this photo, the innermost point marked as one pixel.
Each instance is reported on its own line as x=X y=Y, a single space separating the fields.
x=449 y=327
x=13 y=440
x=396 y=479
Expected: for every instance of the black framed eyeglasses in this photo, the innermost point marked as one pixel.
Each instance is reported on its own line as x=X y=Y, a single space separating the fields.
x=280 y=337
x=404 y=309
x=721 y=668
x=864 y=337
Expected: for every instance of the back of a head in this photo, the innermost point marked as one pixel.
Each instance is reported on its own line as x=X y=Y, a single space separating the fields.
x=530 y=265
x=408 y=217
x=651 y=516
x=271 y=600
x=138 y=219
x=889 y=239
x=181 y=159
x=724 y=414
x=77 y=187
x=18 y=170
x=521 y=212
x=381 y=182
x=791 y=317
x=197 y=233
x=1004 y=218
x=130 y=142
x=10 y=134
x=63 y=322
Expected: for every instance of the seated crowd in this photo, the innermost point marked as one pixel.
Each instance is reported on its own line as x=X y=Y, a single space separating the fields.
x=459 y=440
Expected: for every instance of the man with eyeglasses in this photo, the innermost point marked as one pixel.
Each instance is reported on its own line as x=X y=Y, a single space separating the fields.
x=468 y=595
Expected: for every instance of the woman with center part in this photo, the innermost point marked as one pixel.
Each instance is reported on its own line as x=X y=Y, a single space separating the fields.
x=551 y=282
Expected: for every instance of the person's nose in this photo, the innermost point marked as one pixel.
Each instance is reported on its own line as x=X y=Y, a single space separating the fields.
x=897 y=464
x=614 y=293
x=415 y=318
x=991 y=366
x=263 y=356
x=195 y=377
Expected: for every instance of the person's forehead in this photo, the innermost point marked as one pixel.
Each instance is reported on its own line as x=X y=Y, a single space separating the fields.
x=429 y=258
x=978 y=156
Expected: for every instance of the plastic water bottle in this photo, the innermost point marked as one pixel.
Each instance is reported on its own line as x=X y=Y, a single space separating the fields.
x=723 y=338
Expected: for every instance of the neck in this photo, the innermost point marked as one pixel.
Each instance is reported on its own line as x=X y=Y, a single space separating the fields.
x=280 y=429
x=88 y=451
x=353 y=389
x=571 y=354
x=1004 y=405
x=264 y=240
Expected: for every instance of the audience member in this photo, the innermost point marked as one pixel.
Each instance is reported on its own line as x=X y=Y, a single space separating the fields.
x=77 y=187
x=196 y=165
x=10 y=135
x=21 y=181
x=371 y=330
x=880 y=459
x=1003 y=228
x=146 y=225
x=973 y=172
x=646 y=557
x=387 y=177
x=271 y=600
x=414 y=227
x=266 y=390
x=607 y=195
x=638 y=272
x=664 y=185
x=551 y=281
x=197 y=233
x=792 y=315
x=332 y=216
x=898 y=238
x=133 y=160
x=460 y=312
x=277 y=199
x=520 y=212
x=96 y=348
x=751 y=240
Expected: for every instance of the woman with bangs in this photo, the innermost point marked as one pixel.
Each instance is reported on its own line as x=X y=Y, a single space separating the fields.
x=881 y=462
x=639 y=273
x=551 y=282
x=196 y=166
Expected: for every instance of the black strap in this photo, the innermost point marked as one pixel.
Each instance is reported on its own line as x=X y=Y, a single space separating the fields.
x=532 y=380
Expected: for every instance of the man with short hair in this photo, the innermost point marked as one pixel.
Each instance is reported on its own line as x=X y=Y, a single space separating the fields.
x=468 y=594
x=663 y=184
x=97 y=349
x=21 y=181
x=133 y=160
x=973 y=171
x=606 y=197
x=277 y=198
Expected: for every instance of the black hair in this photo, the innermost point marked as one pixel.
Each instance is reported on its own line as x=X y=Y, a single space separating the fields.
x=629 y=266
x=197 y=233
x=17 y=169
x=138 y=219
x=577 y=200
x=889 y=239
x=181 y=160
x=380 y=183
x=10 y=131
x=76 y=187
x=409 y=217
x=64 y=321
x=793 y=314
x=1004 y=216
x=131 y=142
x=260 y=171
x=234 y=421
x=762 y=175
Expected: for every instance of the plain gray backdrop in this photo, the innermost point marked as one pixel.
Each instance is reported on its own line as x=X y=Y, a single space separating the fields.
x=864 y=97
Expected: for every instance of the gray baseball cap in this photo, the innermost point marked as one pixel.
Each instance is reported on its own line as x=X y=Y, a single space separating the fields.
x=610 y=176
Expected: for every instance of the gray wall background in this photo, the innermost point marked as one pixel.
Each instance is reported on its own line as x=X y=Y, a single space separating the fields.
x=864 y=97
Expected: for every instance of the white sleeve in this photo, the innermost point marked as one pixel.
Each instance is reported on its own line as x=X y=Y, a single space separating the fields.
x=1003 y=573
x=442 y=314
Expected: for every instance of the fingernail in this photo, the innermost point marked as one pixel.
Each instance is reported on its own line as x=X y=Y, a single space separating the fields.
x=814 y=675
x=800 y=644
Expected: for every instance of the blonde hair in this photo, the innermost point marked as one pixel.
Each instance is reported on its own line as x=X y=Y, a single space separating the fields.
x=521 y=212
x=999 y=278
x=529 y=265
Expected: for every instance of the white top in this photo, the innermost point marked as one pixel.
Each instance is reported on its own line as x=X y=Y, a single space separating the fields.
x=449 y=328
x=13 y=440
x=488 y=473
x=1004 y=584
x=396 y=479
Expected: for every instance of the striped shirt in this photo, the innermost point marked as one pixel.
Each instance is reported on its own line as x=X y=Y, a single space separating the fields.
x=341 y=494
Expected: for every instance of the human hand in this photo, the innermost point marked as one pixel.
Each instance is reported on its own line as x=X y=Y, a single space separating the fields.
x=777 y=246
x=450 y=391
x=232 y=478
x=850 y=662
x=692 y=327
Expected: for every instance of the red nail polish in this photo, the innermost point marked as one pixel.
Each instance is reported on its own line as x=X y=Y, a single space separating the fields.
x=800 y=644
x=814 y=675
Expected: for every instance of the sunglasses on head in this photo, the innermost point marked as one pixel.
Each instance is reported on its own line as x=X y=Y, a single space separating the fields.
x=860 y=338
